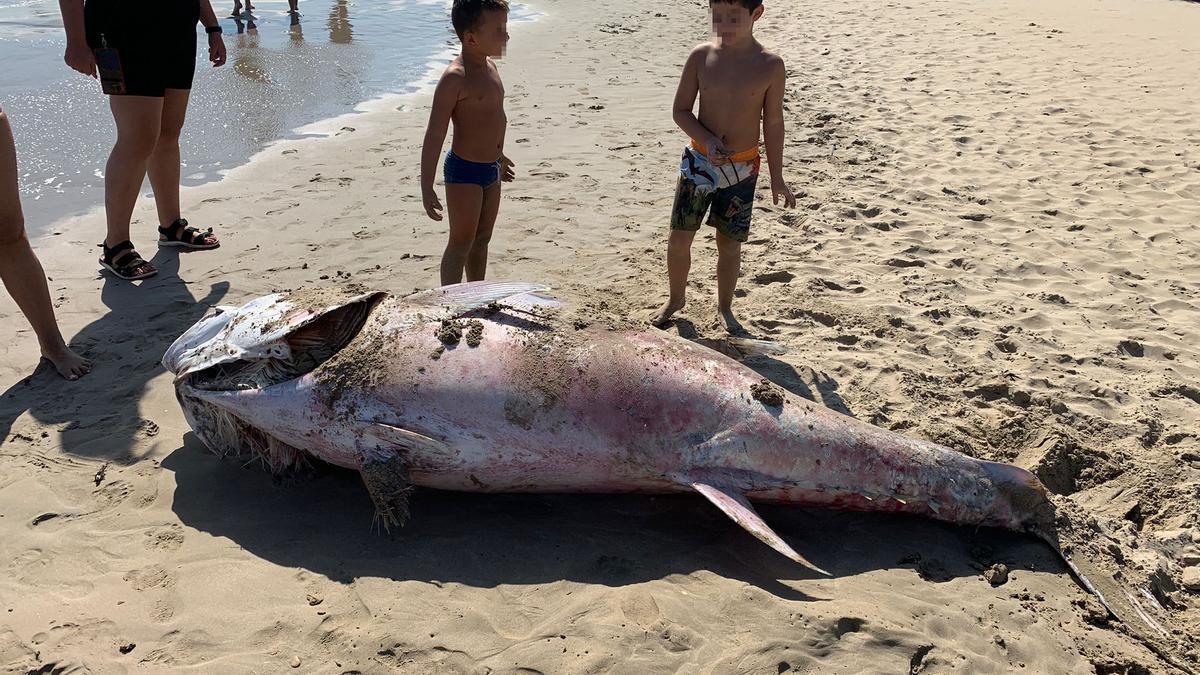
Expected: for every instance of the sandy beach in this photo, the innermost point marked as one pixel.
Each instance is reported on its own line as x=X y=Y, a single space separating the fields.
x=996 y=247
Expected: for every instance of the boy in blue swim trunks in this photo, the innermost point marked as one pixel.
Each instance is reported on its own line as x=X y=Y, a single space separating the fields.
x=739 y=84
x=471 y=95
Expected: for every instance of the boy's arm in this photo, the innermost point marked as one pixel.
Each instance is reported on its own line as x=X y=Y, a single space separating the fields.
x=685 y=100
x=444 y=99
x=773 y=134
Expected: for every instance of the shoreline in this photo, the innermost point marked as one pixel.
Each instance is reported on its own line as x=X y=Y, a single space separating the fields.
x=413 y=92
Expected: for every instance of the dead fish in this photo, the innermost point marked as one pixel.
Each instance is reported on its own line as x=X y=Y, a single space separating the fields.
x=447 y=389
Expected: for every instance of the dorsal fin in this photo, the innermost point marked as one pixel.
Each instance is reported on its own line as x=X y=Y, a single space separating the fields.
x=736 y=506
x=459 y=299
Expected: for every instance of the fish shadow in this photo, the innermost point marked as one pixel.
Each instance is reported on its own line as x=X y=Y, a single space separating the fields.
x=98 y=415
x=321 y=520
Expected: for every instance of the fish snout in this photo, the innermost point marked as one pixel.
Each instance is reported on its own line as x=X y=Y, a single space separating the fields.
x=186 y=352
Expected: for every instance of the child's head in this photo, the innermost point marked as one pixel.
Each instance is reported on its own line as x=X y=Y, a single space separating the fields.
x=733 y=20
x=482 y=25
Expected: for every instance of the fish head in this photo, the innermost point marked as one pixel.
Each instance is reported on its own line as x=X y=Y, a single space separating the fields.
x=265 y=330
x=241 y=372
x=1022 y=503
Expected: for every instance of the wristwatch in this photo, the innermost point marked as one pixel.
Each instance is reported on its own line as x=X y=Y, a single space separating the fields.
x=213 y=29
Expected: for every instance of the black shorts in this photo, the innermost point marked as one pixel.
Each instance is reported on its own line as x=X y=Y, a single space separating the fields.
x=156 y=40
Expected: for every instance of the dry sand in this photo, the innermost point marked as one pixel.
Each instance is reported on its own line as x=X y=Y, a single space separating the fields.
x=995 y=248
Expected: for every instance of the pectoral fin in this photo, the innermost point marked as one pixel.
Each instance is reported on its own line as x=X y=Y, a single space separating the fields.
x=384 y=468
x=388 y=436
x=736 y=506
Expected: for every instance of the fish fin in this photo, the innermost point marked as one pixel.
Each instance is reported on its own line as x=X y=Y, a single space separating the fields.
x=391 y=435
x=756 y=347
x=459 y=299
x=385 y=471
x=387 y=482
x=736 y=506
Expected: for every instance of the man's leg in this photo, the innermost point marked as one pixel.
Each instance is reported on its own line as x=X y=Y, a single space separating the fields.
x=464 y=203
x=478 y=254
x=679 y=263
x=729 y=265
x=20 y=270
x=138 y=120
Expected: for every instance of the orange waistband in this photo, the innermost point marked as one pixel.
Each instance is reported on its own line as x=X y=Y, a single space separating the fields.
x=743 y=156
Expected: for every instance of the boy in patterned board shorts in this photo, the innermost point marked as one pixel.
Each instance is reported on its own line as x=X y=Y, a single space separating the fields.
x=739 y=83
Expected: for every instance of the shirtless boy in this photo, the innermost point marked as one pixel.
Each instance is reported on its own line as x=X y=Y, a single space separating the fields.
x=471 y=94
x=739 y=83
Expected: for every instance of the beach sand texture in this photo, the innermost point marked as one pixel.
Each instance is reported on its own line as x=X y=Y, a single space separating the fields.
x=995 y=248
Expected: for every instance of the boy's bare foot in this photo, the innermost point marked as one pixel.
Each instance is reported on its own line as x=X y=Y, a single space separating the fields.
x=69 y=364
x=664 y=314
x=730 y=323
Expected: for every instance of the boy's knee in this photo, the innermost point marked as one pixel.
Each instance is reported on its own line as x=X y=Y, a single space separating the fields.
x=460 y=243
x=482 y=238
x=727 y=245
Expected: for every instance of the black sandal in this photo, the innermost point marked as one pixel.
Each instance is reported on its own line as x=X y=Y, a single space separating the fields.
x=181 y=235
x=125 y=262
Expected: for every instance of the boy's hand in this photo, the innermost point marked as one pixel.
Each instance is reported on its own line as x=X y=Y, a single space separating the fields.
x=716 y=150
x=433 y=206
x=779 y=189
x=507 y=169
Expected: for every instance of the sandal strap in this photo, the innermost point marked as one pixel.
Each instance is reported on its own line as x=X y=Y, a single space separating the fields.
x=181 y=231
x=110 y=253
x=125 y=252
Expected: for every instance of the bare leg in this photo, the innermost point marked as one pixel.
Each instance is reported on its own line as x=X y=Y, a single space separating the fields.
x=164 y=161
x=294 y=6
x=21 y=271
x=729 y=265
x=138 y=119
x=679 y=263
x=464 y=204
x=478 y=254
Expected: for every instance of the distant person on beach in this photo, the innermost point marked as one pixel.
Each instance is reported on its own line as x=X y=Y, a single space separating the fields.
x=237 y=7
x=145 y=52
x=739 y=83
x=21 y=271
x=471 y=94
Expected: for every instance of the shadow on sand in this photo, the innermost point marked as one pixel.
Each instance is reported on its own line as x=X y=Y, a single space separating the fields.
x=320 y=520
x=98 y=415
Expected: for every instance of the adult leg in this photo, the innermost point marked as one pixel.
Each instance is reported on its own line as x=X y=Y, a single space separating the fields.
x=464 y=203
x=20 y=270
x=138 y=120
x=679 y=263
x=729 y=265
x=163 y=168
x=164 y=172
x=478 y=254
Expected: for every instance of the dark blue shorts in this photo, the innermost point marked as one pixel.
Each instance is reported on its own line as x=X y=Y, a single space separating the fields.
x=458 y=170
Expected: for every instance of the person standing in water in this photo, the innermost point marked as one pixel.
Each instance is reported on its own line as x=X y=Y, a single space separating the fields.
x=148 y=59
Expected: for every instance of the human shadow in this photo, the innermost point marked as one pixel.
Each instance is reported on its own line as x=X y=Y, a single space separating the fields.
x=98 y=415
x=320 y=520
x=822 y=390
